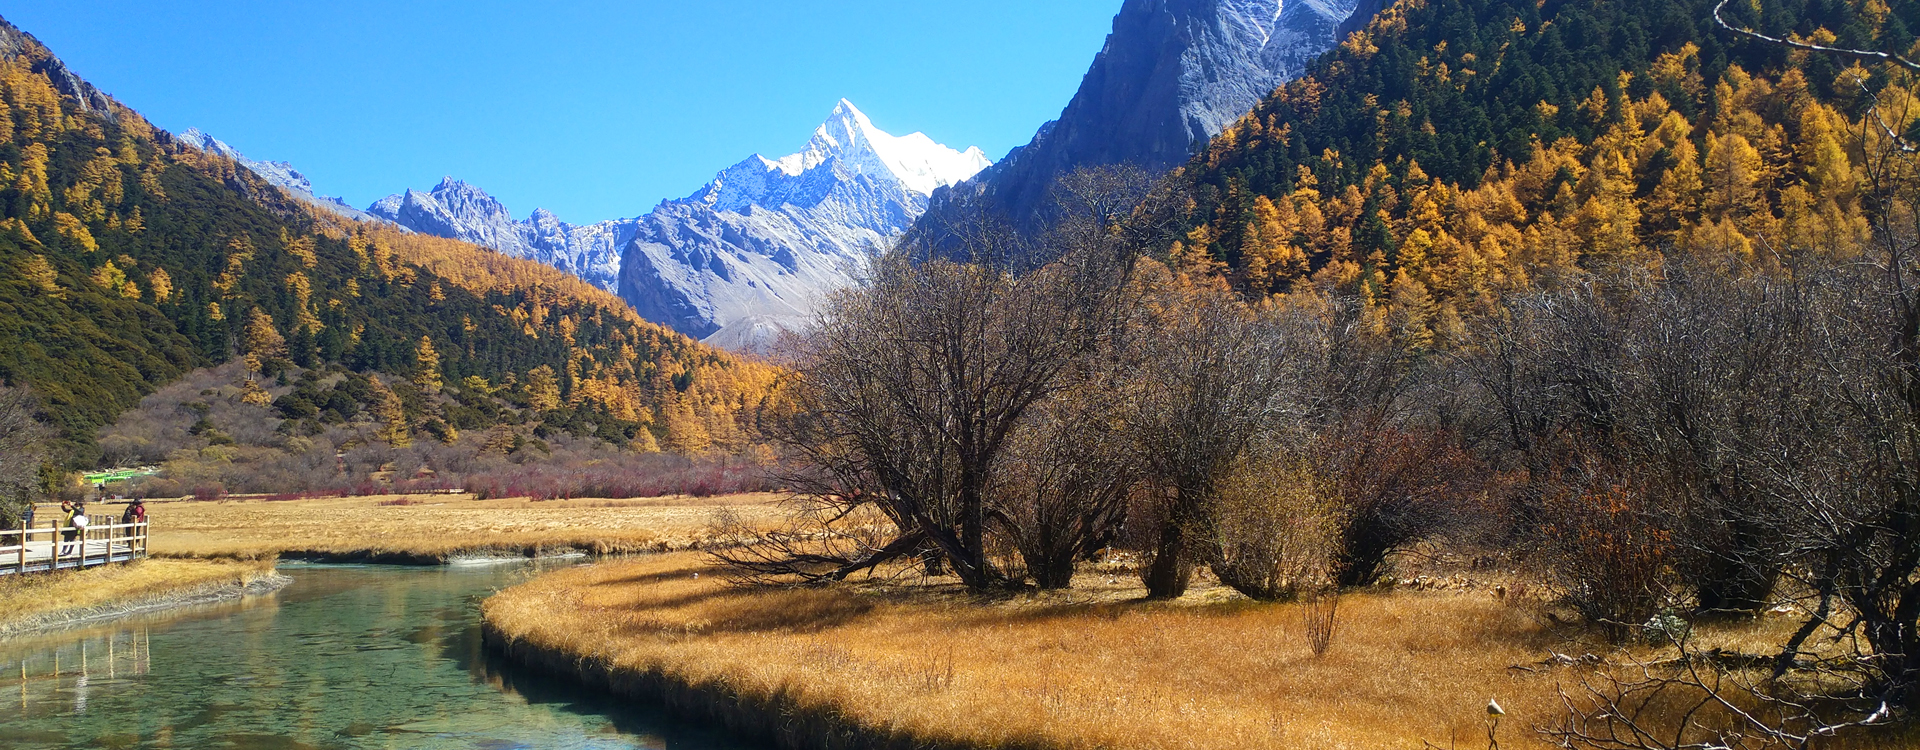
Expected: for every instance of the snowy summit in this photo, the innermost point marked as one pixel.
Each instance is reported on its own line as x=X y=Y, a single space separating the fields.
x=849 y=144
x=916 y=160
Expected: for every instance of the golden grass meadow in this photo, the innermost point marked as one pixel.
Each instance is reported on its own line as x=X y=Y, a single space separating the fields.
x=429 y=528
x=1095 y=667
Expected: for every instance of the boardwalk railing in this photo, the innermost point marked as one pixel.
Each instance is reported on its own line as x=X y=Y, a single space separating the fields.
x=104 y=541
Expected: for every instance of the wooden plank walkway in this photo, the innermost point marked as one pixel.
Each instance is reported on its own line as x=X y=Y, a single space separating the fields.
x=104 y=542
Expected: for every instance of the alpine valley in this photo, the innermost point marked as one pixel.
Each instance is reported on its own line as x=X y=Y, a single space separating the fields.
x=751 y=253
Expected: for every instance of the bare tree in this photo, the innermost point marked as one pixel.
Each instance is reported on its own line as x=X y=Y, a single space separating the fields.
x=1381 y=442
x=913 y=387
x=21 y=454
x=1212 y=382
x=1830 y=460
x=1060 y=493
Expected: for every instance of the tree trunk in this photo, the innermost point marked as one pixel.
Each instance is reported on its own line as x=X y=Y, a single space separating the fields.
x=1055 y=572
x=973 y=526
x=1362 y=558
x=1172 y=568
x=1736 y=588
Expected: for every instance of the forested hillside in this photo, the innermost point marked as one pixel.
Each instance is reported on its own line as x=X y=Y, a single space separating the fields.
x=1453 y=150
x=128 y=259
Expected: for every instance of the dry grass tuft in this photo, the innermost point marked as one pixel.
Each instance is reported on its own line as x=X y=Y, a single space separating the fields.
x=24 y=597
x=428 y=527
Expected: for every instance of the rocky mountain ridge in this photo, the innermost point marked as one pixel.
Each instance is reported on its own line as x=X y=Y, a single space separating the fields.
x=744 y=257
x=280 y=174
x=1173 y=74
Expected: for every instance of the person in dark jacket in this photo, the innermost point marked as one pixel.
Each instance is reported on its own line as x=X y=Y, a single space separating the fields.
x=136 y=513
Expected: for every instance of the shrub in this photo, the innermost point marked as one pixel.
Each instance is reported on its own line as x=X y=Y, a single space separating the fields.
x=1274 y=529
x=158 y=487
x=1609 y=555
x=624 y=476
x=1320 y=619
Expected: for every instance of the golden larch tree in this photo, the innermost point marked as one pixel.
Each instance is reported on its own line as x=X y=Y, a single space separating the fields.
x=260 y=342
x=427 y=366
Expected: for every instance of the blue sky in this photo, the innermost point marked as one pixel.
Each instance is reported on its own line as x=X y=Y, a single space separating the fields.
x=594 y=110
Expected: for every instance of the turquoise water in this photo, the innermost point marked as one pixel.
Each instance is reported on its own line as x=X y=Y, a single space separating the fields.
x=347 y=658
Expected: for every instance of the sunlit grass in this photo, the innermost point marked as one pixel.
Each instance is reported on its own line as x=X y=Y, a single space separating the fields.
x=1095 y=667
x=25 y=597
x=1087 y=669
x=430 y=526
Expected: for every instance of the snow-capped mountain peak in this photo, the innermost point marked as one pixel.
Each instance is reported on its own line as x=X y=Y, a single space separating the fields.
x=850 y=147
x=746 y=256
x=918 y=162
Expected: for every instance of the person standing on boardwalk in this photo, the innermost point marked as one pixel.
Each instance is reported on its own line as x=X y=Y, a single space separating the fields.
x=136 y=513
x=74 y=523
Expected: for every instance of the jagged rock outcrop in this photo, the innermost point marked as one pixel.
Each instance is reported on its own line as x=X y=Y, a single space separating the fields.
x=16 y=44
x=1173 y=74
x=460 y=211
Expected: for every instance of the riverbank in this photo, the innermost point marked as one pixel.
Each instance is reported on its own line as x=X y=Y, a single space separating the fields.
x=930 y=666
x=38 y=603
x=437 y=529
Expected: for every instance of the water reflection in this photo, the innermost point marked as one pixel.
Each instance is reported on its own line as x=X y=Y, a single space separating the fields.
x=345 y=659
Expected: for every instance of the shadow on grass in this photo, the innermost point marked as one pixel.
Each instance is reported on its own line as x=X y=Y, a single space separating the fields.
x=760 y=611
x=682 y=573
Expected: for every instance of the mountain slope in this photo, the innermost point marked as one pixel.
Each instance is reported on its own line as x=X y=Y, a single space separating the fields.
x=1172 y=74
x=128 y=257
x=1457 y=150
x=752 y=250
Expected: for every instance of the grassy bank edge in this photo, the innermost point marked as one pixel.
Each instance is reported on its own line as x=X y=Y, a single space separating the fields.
x=429 y=556
x=46 y=602
x=779 y=718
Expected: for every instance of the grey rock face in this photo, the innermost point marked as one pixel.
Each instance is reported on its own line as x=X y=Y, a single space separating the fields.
x=15 y=44
x=1173 y=74
x=751 y=254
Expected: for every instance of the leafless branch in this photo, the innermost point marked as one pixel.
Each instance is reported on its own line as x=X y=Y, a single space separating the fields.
x=1860 y=54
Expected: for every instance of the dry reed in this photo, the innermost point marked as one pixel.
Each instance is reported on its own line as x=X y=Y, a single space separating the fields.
x=1095 y=667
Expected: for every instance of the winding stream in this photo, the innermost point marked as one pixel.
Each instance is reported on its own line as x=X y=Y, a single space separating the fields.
x=346 y=658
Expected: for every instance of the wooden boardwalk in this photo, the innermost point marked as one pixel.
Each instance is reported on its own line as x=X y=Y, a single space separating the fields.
x=104 y=542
